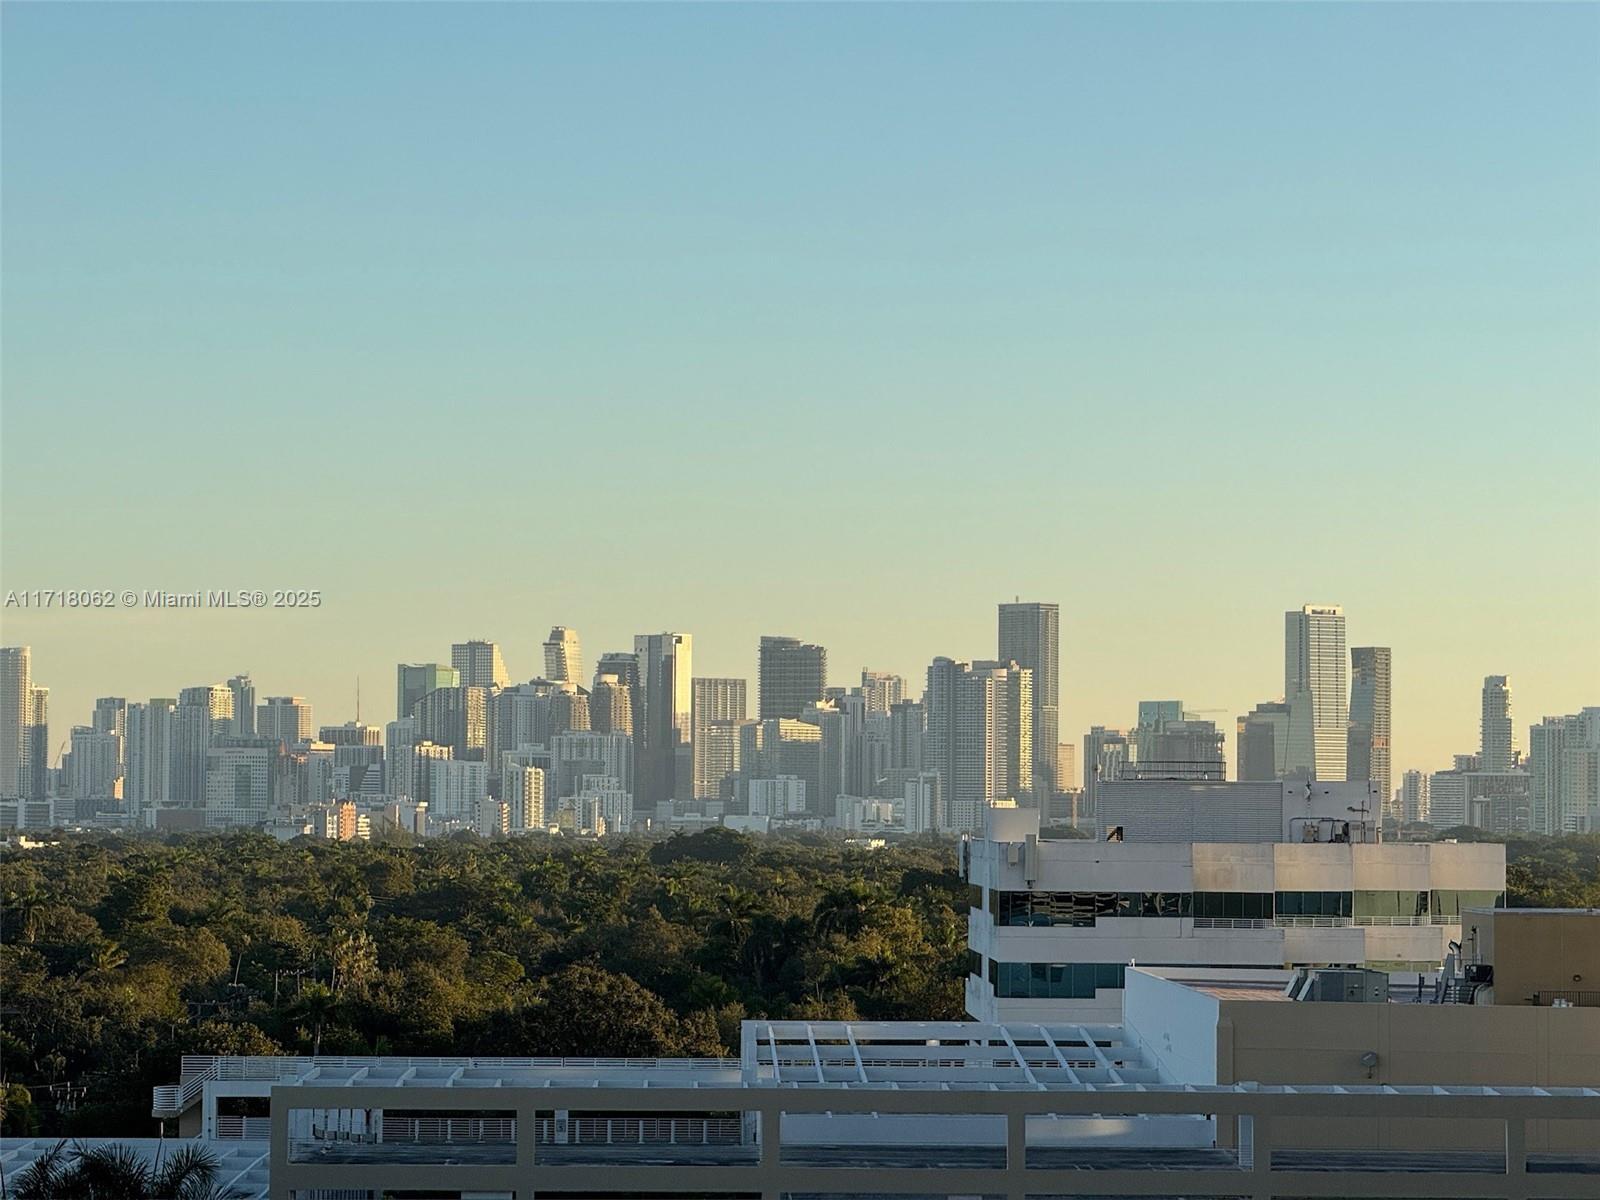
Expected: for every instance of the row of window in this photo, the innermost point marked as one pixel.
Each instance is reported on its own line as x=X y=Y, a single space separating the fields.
x=1053 y=981
x=1083 y=909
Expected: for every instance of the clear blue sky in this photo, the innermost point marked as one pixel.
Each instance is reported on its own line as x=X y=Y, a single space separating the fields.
x=841 y=321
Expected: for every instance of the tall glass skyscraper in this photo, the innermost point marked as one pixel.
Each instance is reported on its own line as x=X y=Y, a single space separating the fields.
x=1498 y=745
x=1314 y=686
x=1030 y=636
x=1368 y=754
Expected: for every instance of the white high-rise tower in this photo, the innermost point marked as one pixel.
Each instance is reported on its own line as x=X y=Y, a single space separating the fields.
x=563 y=657
x=1315 y=671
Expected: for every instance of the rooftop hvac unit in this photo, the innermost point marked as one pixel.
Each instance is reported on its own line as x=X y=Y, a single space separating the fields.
x=1343 y=986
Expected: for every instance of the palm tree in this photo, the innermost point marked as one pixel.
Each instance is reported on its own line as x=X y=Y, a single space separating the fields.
x=316 y=1006
x=117 y=1172
x=845 y=910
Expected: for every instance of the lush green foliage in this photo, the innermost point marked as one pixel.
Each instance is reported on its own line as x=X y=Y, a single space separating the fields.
x=1546 y=872
x=120 y=954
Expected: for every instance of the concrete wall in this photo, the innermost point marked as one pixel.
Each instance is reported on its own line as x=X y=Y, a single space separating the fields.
x=1535 y=950
x=1283 y=1042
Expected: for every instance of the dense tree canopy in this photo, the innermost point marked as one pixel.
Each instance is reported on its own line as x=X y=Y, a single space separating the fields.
x=120 y=954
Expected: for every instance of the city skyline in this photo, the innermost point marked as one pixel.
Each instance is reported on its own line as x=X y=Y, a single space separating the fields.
x=647 y=385
x=1467 y=739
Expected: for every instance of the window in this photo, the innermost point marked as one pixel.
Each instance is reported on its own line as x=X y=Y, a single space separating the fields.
x=1314 y=904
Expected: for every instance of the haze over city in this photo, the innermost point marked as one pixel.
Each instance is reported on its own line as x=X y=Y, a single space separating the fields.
x=1039 y=301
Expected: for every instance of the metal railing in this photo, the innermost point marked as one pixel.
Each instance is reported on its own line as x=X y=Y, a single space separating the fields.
x=249 y=1129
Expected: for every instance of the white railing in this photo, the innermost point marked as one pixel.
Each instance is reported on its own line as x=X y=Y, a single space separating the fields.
x=170 y=1100
x=1312 y=922
x=249 y=1129
x=655 y=1131
x=1231 y=923
x=453 y=1130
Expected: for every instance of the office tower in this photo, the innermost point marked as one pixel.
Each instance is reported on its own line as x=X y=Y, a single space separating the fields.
x=1314 y=686
x=416 y=680
x=829 y=719
x=36 y=745
x=399 y=762
x=1564 y=772
x=456 y=717
x=480 y=664
x=519 y=716
x=1261 y=746
x=663 y=723
x=240 y=772
x=1367 y=756
x=203 y=714
x=95 y=766
x=792 y=674
x=16 y=696
x=1498 y=744
x=908 y=732
x=569 y=708
x=1157 y=714
x=244 y=705
x=110 y=715
x=563 y=658
x=285 y=718
x=882 y=690
x=576 y=753
x=351 y=733
x=1066 y=767
x=1181 y=749
x=979 y=741
x=611 y=705
x=1106 y=754
x=1030 y=637
x=147 y=758
x=1414 y=806
x=780 y=747
x=712 y=701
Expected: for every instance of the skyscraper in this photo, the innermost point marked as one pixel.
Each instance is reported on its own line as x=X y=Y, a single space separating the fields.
x=285 y=718
x=1367 y=755
x=1106 y=754
x=792 y=674
x=203 y=714
x=1498 y=743
x=36 y=745
x=563 y=657
x=1314 y=686
x=480 y=664
x=1414 y=805
x=457 y=717
x=882 y=690
x=1261 y=748
x=611 y=705
x=244 y=705
x=148 y=758
x=713 y=702
x=16 y=696
x=415 y=680
x=663 y=723
x=1030 y=637
x=1564 y=770
x=980 y=736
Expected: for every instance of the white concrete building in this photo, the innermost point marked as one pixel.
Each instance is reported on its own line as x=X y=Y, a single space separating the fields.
x=1056 y=923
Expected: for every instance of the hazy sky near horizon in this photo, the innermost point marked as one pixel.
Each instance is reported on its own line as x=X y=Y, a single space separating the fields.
x=839 y=321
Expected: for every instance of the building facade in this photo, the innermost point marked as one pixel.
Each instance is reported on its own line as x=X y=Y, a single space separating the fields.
x=1030 y=636
x=1314 y=687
